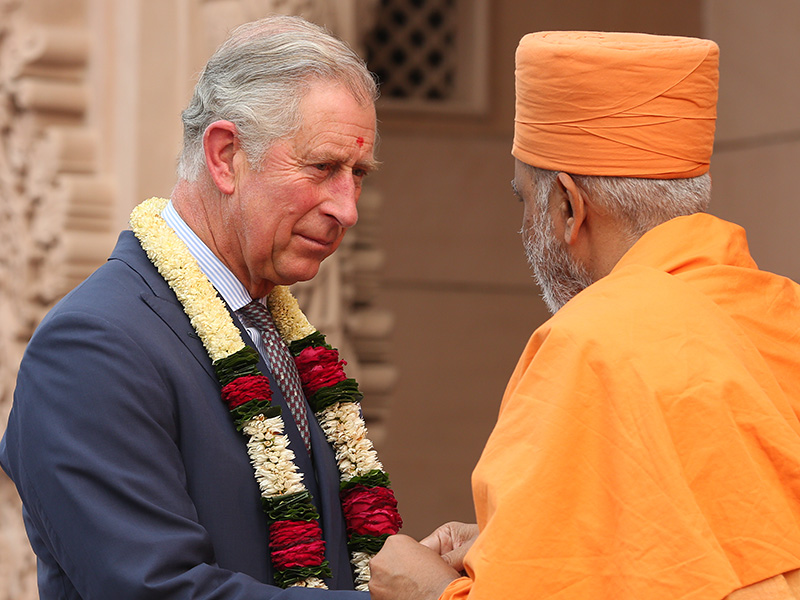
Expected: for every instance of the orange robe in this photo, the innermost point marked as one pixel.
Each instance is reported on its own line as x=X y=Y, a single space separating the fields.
x=648 y=443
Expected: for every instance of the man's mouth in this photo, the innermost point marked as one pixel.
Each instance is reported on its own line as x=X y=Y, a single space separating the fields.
x=322 y=242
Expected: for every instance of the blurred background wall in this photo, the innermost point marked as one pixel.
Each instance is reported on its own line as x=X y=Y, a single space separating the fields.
x=90 y=96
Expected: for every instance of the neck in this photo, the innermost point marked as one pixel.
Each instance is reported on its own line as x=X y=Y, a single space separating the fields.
x=190 y=200
x=201 y=205
x=608 y=244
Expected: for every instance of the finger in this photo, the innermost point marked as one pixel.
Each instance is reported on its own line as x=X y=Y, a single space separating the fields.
x=433 y=541
x=455 y=558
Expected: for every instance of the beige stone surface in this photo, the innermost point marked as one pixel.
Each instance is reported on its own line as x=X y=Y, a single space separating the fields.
x=759 y=64
x=756 y=157
x=755 y=187
x=454 y=277
x=455 y=349
x=449 y=214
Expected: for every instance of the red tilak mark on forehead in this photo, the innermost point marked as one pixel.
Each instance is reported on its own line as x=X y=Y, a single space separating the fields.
x=360 y=141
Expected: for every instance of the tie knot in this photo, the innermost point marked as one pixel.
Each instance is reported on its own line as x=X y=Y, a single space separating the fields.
x=257 y=314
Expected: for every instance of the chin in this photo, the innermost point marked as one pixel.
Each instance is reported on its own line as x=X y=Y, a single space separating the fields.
x=298 y=275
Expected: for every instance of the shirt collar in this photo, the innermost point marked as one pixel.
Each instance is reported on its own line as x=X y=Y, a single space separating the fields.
x=224 y=281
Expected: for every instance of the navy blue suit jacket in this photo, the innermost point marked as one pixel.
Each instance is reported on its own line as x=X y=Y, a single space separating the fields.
x=134 y=481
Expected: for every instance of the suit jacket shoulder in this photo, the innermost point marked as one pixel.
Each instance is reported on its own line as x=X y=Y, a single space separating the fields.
x=133 y=477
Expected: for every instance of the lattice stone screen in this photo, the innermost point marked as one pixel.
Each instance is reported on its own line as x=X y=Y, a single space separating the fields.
x=430 y=54
x=412 y=49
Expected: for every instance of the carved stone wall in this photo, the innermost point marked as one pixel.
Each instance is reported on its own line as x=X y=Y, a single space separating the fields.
x=56 y=209
x=64 y=186
x=55 y=219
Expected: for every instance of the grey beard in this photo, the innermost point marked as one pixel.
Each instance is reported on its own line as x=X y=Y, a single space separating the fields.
x=555 y=272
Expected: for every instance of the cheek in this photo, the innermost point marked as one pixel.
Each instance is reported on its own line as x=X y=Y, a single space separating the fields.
x=527 y=223
x=339 y=241
x=263 y=233
x=302 y=201
x=526 y=214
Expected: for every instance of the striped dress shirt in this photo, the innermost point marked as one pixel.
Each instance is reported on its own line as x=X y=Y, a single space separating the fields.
x=230 y=289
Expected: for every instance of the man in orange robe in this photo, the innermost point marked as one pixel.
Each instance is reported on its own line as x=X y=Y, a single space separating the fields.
x=648 y=443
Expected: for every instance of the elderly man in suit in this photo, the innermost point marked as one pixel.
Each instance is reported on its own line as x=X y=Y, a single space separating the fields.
x=135 y=480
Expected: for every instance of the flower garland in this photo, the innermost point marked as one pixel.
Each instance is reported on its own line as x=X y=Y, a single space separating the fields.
x=297 y=549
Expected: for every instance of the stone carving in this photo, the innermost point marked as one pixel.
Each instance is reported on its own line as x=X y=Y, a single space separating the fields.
x=56 y=210
x=55 y=220
x=348 y=19
x=55 y=213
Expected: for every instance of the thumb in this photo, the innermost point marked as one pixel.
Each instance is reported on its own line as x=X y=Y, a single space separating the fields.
x=455 y=558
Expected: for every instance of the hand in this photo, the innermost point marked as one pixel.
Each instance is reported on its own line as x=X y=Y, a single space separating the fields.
x=407 y=570
x=452 y=541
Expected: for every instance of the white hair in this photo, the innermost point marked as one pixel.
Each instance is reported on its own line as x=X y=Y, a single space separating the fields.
x=639 y=203
x=257 y=79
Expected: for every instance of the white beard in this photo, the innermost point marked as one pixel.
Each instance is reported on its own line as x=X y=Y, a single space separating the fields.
x=554 y=270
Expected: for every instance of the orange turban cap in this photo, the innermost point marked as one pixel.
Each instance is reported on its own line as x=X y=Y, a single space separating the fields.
x=616 y=104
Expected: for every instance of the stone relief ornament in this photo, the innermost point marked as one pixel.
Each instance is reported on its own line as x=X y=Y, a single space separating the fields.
x=57 y=208
x=54 y=214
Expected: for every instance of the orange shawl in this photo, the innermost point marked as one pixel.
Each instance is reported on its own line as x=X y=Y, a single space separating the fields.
x=648 y=444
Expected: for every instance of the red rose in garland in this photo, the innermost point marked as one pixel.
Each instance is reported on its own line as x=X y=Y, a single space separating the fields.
x=371 y=511
x=244 y=389
x=296 y=545
x=319 y=367
x=302 y=555
x=283 y=534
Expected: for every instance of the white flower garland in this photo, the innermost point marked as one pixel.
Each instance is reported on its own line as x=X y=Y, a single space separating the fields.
x=342 y=423
x=268 y=446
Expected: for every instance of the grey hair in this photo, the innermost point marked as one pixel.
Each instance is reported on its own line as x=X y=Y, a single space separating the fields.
x=257 y=79
x=639 y=203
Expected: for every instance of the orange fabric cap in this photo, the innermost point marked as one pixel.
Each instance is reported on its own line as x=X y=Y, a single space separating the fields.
x=616 y=104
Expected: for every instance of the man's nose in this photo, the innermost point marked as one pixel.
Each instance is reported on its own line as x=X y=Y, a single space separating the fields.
x=342 y=203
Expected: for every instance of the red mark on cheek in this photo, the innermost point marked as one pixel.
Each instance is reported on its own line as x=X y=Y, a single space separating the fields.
x=360 y=141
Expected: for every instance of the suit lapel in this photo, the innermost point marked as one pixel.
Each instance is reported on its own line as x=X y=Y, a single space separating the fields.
x=163 y=302
x=161 y=299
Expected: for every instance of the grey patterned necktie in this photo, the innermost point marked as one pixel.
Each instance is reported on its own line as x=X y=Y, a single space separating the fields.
x=282 y=364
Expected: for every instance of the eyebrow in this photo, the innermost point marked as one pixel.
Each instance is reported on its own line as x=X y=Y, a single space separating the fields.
x=368 y=165
x=514 y=188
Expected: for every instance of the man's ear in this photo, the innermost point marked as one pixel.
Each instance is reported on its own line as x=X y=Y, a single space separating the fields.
x=573 y=207
x=220 y=145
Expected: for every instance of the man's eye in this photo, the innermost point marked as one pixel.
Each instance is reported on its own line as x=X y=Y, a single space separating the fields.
x=322 y=166
x=360 y=173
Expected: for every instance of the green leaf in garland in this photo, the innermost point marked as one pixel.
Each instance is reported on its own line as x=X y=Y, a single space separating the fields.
x=242 y=362
x=344 y=391
x=311 y=340
x=244 y=412
x=290 y=507
x=291 y=576
x=366 y=543
x=373 y=478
